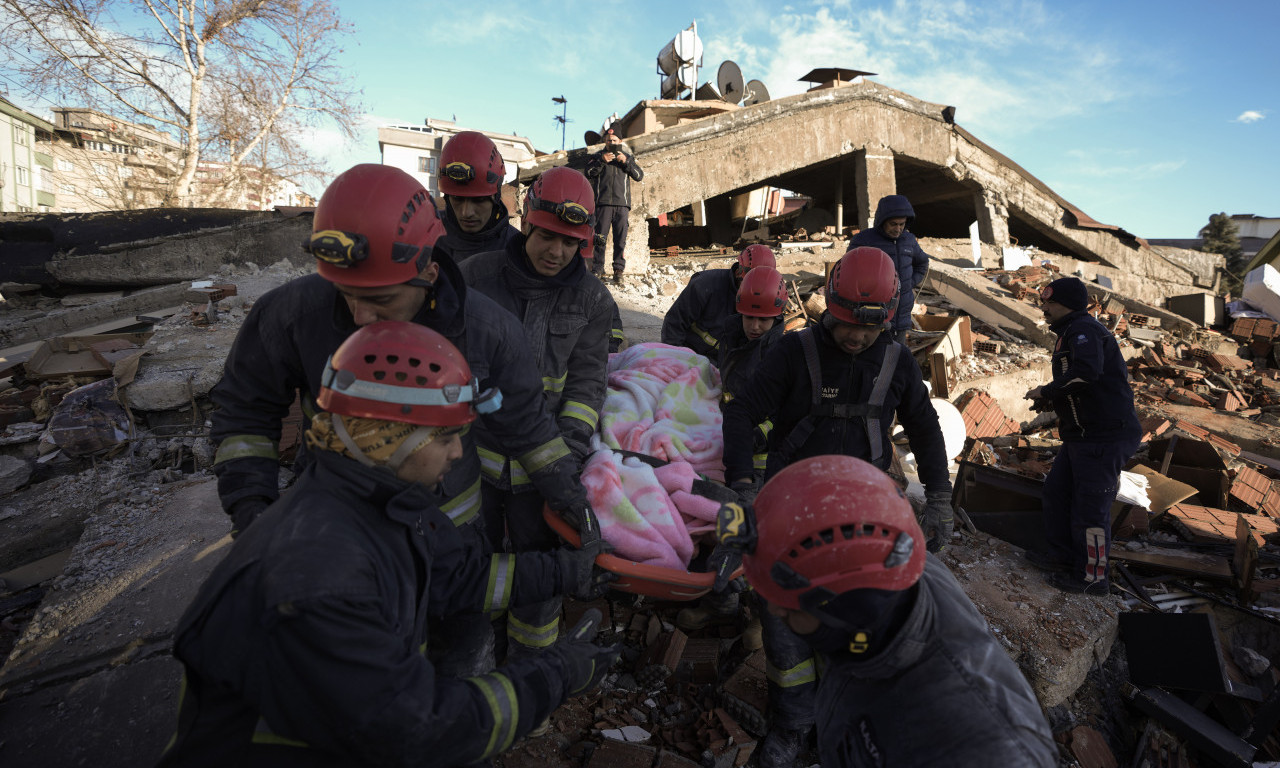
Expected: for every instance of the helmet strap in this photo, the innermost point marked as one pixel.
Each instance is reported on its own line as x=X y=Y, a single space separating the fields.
x=418 y=438
x=340 y=429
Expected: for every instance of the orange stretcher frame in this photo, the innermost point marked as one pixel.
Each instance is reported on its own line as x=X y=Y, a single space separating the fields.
x=637 y=578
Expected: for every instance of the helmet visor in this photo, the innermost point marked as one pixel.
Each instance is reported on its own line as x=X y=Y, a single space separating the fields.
x=571 y=213
x=863 y=313
x=338 y=248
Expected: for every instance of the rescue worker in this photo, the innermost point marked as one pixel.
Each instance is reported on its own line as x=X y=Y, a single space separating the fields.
x=910 y=674
x=372 y=238
x=1100 y=432
x=567 y=314
x=748 y=335
x=470 y=178
x=304 y=646
x=834 y=388
x=611 y=171
x=894 y=215
x=695 y=318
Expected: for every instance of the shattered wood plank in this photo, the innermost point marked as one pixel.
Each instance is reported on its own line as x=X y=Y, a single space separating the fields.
x=1177 y=561
x=1245 y=560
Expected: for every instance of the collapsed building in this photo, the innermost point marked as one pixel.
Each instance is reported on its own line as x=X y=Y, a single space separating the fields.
x=108 y=524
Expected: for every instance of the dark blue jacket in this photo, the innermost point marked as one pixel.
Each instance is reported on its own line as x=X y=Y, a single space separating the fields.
x=282 y=348
x=612 y=181
x=305 y=646
x=781 y=391
x=1090 y=388
x=911 y=260
x=945 y=692
x=695 y=317
x=463 y=245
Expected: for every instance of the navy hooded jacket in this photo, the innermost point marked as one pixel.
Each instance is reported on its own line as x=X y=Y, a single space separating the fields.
x=911 y=260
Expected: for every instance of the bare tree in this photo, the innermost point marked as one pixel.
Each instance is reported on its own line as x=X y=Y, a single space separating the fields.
x=259 y=67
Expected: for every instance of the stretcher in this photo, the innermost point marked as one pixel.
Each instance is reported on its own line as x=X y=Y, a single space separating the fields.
x=637 y=578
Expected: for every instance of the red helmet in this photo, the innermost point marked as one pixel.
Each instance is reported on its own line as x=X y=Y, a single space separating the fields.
x=562 y=201
x=471 y=166
x=404 y=372
x=756 y=256
x=863 y=288
x=762 y=293
x=829 y=525
x=375 y=226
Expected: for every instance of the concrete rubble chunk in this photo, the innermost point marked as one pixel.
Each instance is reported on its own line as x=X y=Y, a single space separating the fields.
x=14 y=473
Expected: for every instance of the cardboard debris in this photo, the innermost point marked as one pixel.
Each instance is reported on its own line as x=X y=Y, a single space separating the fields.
x=80 y=355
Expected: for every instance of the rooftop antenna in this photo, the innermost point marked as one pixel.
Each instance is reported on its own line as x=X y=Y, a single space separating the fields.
x=563 y=117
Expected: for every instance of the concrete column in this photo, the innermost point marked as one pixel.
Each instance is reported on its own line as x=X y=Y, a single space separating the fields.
x=875 y=179
x=993 y=218
x=839 y=199
x=636 y=251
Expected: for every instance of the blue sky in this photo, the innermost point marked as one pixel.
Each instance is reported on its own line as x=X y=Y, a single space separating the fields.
x=1148 y=115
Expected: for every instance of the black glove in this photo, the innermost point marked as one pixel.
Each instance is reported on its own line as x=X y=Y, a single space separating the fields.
x=245 y=511
x=585 y=663
x=723 y=561
x=583 y=519
x=579 y=576
x=938 y=520
x=746 y=490
x=580 y=450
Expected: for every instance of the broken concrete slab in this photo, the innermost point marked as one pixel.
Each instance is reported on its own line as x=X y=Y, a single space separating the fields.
x=70 y=321
x=1054 y=637
x=985 y=300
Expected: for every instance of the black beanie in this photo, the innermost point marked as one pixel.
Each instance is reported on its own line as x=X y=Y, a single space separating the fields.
x=1067 y=291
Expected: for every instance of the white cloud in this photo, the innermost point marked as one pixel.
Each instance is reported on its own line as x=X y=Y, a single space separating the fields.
x=1008 y=66
x=1250 y=116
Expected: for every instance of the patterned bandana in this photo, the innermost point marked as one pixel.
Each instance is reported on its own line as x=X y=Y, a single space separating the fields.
x=376 y=439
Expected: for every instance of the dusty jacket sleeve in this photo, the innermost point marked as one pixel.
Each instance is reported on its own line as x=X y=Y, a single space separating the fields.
x=584 y=387
x=920 y=266
x=683 y=314
x=523 y=423
x=342 y=680
x=633 y=170
x=1086 y=362
x=759 y=400
x=466 y=580
x=251 y=401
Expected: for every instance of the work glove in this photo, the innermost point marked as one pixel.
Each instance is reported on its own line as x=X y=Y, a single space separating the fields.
x=583 y=519
x=746 y=490
x=581 y=451
x=937 y=521
x=735 y=536
x=579 y=576
x=585 y=663
x=245 y=511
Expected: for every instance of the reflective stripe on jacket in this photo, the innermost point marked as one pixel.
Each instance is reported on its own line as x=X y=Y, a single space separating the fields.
x=305 y=645
x=567 y=322
x=288 y=336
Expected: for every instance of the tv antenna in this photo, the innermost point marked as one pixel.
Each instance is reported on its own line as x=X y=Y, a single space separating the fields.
x=563 y=117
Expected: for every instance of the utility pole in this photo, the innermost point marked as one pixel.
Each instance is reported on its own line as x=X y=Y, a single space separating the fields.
x=563 y=117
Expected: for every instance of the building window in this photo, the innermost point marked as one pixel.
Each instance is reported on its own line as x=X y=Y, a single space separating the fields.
x=427 y=165
x=24 y=209
x=20 y=134
x=99 y=169
x=99 y=192
x=67 y=189
x=24 y=176
x=65 y=165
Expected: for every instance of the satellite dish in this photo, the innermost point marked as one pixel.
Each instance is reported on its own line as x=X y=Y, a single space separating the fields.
x=706 y=92
x=729 y=81
x=591 y=137
x=756 y=93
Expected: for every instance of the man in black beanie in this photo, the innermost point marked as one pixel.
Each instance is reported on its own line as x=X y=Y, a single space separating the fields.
x=1099 y=430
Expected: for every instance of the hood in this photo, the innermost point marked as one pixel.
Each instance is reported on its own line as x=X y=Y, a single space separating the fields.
x=893 y=206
